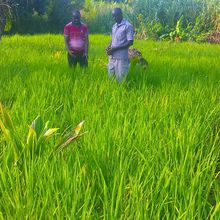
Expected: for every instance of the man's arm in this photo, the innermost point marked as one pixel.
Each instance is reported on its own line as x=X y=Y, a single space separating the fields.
x=108 y=49
x=87 y=45
x=130 y=40
x=124 y=46
x=66 y=40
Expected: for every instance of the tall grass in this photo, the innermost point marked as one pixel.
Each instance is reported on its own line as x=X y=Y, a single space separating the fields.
x=152 y=144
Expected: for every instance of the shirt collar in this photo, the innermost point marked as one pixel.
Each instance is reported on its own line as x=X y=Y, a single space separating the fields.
x=76 y=25
x=122 y=23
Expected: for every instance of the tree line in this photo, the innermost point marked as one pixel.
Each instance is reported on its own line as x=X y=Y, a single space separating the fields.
x=160 y=19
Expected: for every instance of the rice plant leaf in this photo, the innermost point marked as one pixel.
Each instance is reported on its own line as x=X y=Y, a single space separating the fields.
x=11 y=138
x=67 y=142
x=69 y=137
x=78 y=127
x=46 y=126
x=5 y=131
x=37 y=125
x=6 y=118
x=32 y=137
x=62 y=140
x=50 y=132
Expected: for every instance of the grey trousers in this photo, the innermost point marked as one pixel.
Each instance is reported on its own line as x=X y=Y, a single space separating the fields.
x=118 y=68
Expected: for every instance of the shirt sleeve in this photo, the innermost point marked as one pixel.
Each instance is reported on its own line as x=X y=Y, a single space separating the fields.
x=86 y=31
x=66 y=31
x=130 y=32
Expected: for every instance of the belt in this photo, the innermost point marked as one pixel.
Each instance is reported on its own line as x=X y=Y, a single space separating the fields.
x=116 y=58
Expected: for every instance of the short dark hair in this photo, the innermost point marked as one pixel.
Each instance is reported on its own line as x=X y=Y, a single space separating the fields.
x=76 y=12
x=117 y=10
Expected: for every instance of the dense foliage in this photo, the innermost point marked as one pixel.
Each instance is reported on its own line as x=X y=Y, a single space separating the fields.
x=6 y=16
x=159 y=19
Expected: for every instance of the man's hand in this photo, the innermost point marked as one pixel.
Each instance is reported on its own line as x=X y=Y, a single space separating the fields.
x=110 y=50
x=70 y=53
x=86 y=56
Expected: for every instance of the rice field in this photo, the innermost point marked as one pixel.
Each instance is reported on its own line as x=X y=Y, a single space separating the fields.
x=149 y=147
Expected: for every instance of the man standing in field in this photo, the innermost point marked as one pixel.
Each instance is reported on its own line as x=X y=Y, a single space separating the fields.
x=76 y=41
x=122 y=39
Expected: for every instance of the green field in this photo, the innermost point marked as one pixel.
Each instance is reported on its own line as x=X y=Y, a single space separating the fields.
x=151 y=146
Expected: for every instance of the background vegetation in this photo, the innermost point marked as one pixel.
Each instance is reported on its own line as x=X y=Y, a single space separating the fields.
x=158 y=19
x=152 y=145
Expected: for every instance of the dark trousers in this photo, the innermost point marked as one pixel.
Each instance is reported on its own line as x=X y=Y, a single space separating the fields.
x=74 y=59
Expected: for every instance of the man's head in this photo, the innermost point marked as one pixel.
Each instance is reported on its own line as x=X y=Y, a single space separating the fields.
x=76 y=17
x=117 y=15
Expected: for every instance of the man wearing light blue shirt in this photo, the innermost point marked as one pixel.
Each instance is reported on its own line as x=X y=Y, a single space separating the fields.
x=122 y=39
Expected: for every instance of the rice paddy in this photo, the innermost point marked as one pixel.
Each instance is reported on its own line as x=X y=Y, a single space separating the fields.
x=151 y=144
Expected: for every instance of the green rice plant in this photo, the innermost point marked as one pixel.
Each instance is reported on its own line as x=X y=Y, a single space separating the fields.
x=9 y=132
x=38 y=135
x=152 y=146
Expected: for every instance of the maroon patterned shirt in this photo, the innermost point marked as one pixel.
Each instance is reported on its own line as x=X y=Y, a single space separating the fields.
x=77 y=37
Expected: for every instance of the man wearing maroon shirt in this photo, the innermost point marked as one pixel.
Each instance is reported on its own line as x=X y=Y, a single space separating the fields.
x=76 y=41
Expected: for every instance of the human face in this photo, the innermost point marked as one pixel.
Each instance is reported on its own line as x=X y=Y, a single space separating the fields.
x=117 y=16
x=76 y=18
